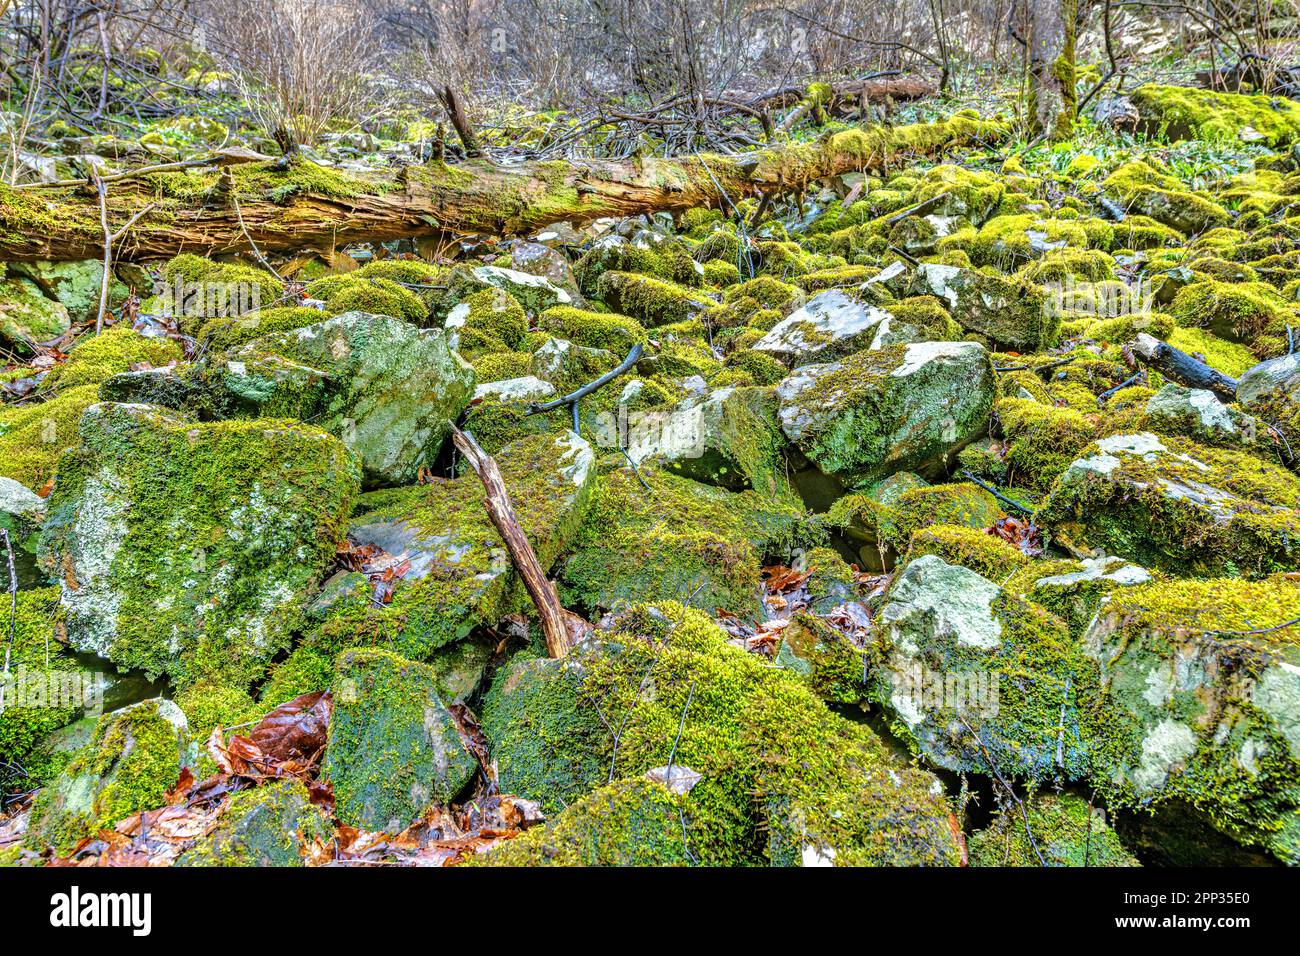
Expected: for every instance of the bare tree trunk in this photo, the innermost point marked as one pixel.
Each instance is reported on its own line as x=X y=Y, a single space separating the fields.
x=1051 y=40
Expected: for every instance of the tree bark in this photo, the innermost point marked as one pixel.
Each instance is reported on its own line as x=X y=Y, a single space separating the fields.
x=304 y=207
x=1052 y=94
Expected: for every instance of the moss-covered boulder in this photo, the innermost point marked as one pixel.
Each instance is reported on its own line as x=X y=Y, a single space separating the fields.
x=1202 y=682
x=187 y=548
x=828 y=326
x=1061 y=831
x=535 y=293
x=597 y=330
x=21 y=514
x=75 y=285
x=458 y=572
x=968 y=673
x=1074 y=590
x=1236 y=311
x=1182 y=112
x=727 y=437
x=269 y=825
x=130 y=764
x=681 y=540
x=393 y=747
x=626 y=823
x=1198 y=414
x=340 y=294
x=905 y=407
x=115 y=350
x=486 y=323
x=653 y=301
x=1172 y=504
x=1006 y=310
x=387 y=389
x=1271 y=390
x=28 y=317
x=783 y=780
x=538 y=259
x=1141 y=189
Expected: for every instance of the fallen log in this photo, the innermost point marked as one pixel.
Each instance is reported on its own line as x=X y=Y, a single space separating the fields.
x=1182 y=368
x=305 y=206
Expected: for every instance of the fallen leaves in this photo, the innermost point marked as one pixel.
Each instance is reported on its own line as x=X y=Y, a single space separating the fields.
x=1023 y=534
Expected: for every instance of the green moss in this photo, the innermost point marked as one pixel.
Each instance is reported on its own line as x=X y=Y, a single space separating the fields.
x=1182 y=112
x=1140 y=189
x=1239 y=312
x=132 y=761
x=681 y=540
x=763 y=369
x=598 y=330
x=268 y=825
x=467 y=583
x=393 y=748
x=1230 y=713
x=192 y=271
x=1061 y=265
x=356 y=293
x=1041 y=440
x=413 y=271
x=1065 y=832
x=781 y=775
x=627 y=823
x=987 y=555
x=33 y=435
x=489 y=321
x=114 y=350
x=653 y=301
x=499 y=366
x=215 y=531
x=963 y=504
x=225 y=333
x=1183 y=507
x=26 y=758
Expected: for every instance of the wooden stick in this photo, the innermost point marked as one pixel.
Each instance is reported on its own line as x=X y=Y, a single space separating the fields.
x=561 y=628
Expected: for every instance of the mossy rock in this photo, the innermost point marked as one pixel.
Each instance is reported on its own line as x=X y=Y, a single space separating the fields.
x=1200 y=678
x=681 y=540
x=727 y=437
x=1041 y=440
x=460 y=575
x=1062 y=831
x=961 y=503
x=488 y=321
x=224 y=333
x=1009 y=311
x=76 y=285
x=269 y=825
x=95 y=358
x=1141 y=189
x=188 y=549
x=626 y=823
x=653 y=302
x=986 y=554
x=387 y=389
x=355 y=293
x=970 y=673
x=393 y=746
x=783 y=780
x=1238 y=312
x=1074 y=590
x=905 y=407
x=1181 y=112
x=597 y=330
x=28 y=317
x=1175 y=505
x=130 y=764
x=34 y=435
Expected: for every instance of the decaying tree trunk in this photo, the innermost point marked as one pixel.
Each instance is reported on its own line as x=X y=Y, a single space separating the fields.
x=306 y=207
